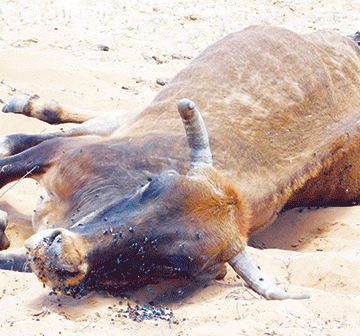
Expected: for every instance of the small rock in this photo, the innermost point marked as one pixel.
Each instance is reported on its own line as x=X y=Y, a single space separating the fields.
x=147 y=58
x=103 y=47
x=177 y=56
x=161 y=82
x=192 y=17
x=158 y=60
x=180 y=56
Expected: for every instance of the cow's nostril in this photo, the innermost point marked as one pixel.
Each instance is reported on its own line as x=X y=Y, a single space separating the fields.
x=55 y=247
x=54 y=237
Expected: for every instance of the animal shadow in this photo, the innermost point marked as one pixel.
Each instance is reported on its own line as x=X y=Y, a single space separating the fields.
x=297 y=229
x=164 y=292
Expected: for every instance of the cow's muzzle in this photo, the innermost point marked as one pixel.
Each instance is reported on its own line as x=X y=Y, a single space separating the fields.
x=58 y=258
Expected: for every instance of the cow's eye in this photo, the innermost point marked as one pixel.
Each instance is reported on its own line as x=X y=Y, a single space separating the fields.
x=144 y=187
x=172 y=172
x=141 y=189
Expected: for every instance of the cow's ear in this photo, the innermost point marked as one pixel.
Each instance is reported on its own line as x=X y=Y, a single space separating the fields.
x=198 y=139
x=252 y=275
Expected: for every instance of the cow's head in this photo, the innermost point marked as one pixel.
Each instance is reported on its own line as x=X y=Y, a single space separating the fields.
x=174 y=226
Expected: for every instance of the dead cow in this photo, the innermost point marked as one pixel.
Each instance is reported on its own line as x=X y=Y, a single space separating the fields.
x=283 y=114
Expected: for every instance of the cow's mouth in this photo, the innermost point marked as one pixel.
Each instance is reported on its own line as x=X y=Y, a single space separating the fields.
x=58 y=258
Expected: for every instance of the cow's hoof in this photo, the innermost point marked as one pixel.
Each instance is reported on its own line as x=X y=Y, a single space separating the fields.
x=4 y=241
x=5 y=147
x=18 y=105
x=15 y=105
x=58 y=258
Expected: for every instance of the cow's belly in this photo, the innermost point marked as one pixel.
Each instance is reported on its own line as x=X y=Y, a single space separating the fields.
x=337 y=185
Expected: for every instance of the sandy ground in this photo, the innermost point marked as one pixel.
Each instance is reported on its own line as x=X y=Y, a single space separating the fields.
x=56 y=49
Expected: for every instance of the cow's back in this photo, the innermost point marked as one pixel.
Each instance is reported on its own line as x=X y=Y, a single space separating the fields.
x=276 y=104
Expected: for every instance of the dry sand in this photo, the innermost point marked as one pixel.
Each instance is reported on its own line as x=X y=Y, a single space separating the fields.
x=53 y=48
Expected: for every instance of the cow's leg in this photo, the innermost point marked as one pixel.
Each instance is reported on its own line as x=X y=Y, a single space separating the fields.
x=51 y=112
x=36 y=160
x=30 y=163
x=4 y=241
x=16 y=143
x=13 y=168
x=26 y=164
x=14 y=260
x=104 y=125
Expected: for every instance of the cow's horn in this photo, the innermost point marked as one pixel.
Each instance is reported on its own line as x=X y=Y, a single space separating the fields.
x=200 y=153
x=244 y=266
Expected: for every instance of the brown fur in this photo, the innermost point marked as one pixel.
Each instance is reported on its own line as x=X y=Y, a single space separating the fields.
x=282 y=111
x=302 y=89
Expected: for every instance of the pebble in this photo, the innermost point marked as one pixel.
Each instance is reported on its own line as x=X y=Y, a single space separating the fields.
x=158 y=60
x=180 y=56
x=161 y=82
x=147 y=58
x=103 y=47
